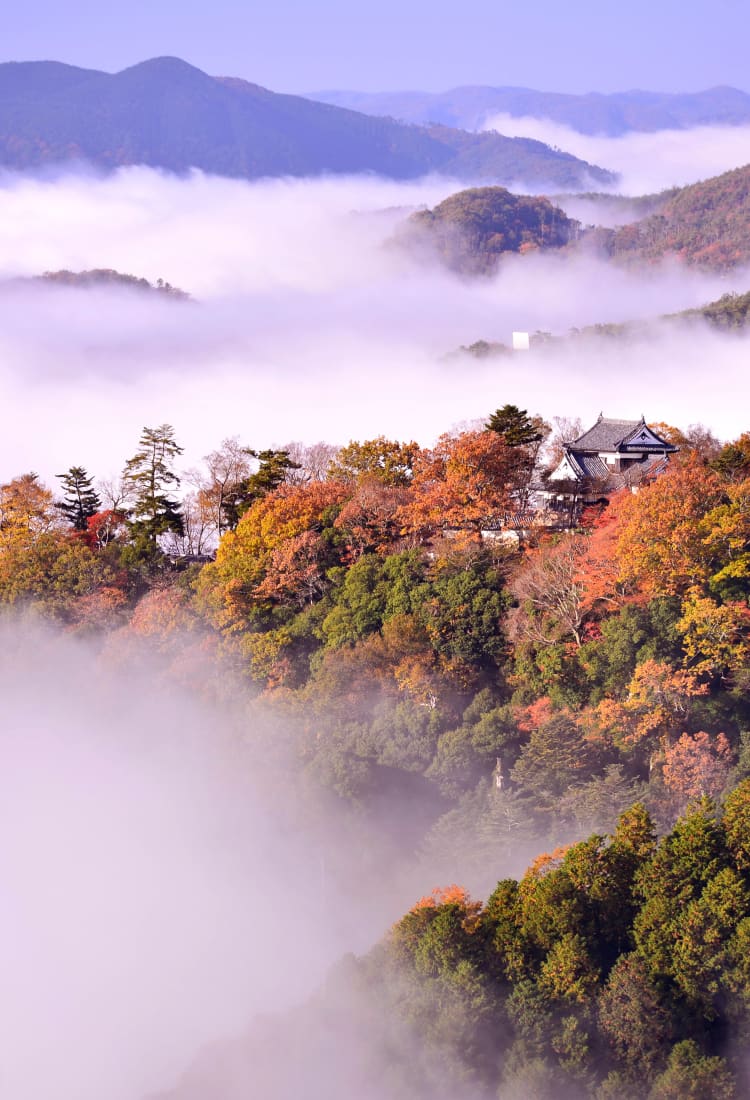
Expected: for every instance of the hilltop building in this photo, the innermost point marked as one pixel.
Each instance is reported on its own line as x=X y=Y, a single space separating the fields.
x=614 y=454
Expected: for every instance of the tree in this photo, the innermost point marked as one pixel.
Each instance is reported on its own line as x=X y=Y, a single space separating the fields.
x=26 y=510
x=516 y=426
x=692 y=1075
x=220 y=493
x=556 y=756
x=370 y=517
x=551 y=594
x=633 y=1015
x=81 y=501
x=385 y=459
x=312 y=461
x=564 y=430
x=273 y=470
x=525 y=435
x=254 y=552
x=697 y=765
x=464 y=482
x=150 y=479
x=716 y=636
x=661 y=544
x=198 y=535
x=733 y=461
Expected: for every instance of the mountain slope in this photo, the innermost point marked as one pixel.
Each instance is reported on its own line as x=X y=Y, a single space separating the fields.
x=706 y=224
x=468 y=107
x=168 y=114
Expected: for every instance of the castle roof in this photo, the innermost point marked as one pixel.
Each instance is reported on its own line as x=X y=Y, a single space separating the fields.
x=615 y=435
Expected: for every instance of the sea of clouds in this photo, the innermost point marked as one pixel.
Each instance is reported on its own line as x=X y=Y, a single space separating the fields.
x=152 y=906
x=306 y=323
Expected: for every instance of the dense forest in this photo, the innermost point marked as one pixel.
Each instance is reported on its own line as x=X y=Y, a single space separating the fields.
x=706 y=224
x=617 y=967
x=356 y=590
x=107 y=277
x=728 y=313
x=427 y=639
x=471 y=230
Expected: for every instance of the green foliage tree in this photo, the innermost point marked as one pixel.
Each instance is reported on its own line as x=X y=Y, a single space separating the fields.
x=692 y=1075
x=388 y=460
x=273 y=468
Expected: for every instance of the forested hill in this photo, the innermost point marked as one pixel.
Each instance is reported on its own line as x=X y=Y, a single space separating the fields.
x=472 y=229
x=706 y=224
x=99 y=277
x=614 y=969
x=168 y=114
x=469 y=107
x=731 y=313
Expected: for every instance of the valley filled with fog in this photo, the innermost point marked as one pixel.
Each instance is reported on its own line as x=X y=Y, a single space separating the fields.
x=169 y=872
x=307 y=323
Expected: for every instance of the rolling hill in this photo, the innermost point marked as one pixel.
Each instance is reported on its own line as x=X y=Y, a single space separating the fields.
x=471 y=230
x=705 y=225
x=168 y=114
x=469 y=107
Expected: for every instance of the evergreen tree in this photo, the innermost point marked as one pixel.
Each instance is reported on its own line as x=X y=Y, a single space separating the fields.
x=149 y=479
x=516 y=426
x=273 y=467
x=81 y=500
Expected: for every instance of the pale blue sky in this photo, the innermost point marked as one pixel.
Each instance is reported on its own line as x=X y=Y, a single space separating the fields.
x=301 y=45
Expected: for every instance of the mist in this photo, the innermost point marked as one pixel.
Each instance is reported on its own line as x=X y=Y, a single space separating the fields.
x=645 y=162
x=163 y=880
x=161 y=883
x=170 y=880
x=306 y=322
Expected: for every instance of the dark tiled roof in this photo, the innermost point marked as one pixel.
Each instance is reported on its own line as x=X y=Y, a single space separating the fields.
x=590 y=466
x=602 y=478
x=606 y=435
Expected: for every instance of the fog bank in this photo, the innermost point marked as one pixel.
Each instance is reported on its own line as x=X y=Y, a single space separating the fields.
x=307 y=323
x=645 y=162
x=152 y=899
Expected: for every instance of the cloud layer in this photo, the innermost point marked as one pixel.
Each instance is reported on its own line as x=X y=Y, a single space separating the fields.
x=307 y=324
x=646 y=162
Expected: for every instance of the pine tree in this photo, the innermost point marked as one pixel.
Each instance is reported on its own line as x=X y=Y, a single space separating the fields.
x=81 y=500
x=516 y=426
x=272 y=471
x=149 y=478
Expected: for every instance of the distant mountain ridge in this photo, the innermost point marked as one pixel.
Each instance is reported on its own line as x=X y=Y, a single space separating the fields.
x=168 y=114
x=470 y=106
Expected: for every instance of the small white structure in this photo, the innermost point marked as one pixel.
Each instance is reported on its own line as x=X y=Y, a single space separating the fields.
x=520 y=341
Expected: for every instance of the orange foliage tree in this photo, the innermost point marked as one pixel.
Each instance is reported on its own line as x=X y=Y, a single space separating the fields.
x=465 y=481
x=697 y=765
x=245 y=560
x=659 y=700
x=661 y=546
